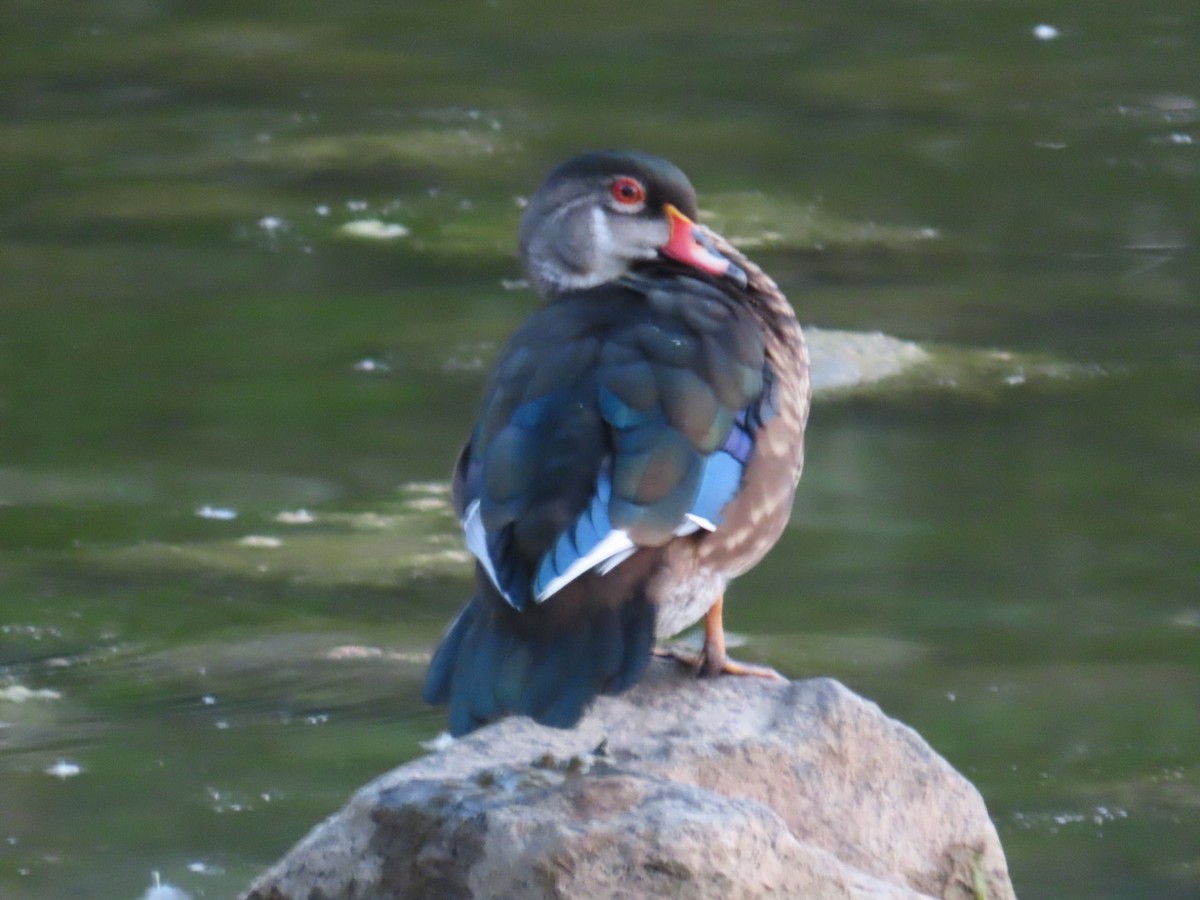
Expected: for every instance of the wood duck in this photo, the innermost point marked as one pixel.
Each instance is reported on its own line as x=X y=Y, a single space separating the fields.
x=638 y=445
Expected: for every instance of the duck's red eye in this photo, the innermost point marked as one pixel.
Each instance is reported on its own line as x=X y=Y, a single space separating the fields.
x=628 y=191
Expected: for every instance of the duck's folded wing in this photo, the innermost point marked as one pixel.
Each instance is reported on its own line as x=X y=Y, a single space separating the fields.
x=634 y=426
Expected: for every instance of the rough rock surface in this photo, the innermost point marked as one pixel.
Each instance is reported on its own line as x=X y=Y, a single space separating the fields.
x=724 y=788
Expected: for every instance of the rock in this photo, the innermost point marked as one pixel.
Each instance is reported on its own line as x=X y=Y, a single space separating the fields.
x=845 y=360
x=872 y=364
x=726 y=788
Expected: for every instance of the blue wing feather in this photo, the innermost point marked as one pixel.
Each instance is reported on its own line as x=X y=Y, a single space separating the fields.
x=620 y=414
x=635 y=428
x=589 y=543
x=719 y=484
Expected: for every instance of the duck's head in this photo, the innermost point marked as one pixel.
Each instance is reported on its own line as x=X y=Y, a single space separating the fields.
x=599 y=214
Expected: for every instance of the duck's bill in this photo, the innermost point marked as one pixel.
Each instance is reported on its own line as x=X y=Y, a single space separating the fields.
x=688 y=244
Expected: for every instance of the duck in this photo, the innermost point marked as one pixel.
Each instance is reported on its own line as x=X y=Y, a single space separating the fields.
x=638 y=446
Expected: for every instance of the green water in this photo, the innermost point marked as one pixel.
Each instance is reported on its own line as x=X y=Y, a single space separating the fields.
x=1015 y=573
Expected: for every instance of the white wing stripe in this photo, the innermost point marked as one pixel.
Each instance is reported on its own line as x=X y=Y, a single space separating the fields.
x=477 y=543
x=612 y=544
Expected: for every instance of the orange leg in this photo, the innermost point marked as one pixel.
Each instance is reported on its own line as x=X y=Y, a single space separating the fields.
x=712 y=660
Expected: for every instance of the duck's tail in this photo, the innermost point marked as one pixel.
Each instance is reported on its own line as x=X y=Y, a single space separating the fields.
x=548 y=661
